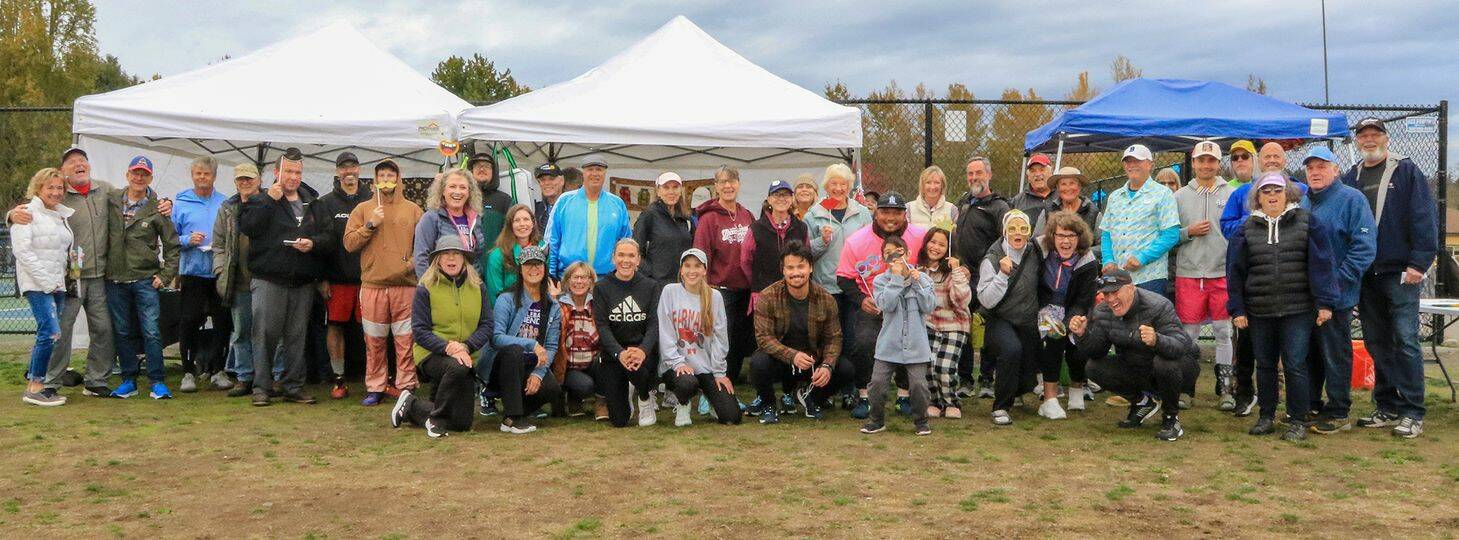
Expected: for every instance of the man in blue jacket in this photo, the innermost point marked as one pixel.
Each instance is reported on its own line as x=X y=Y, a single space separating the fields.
x=1273 y=158
x=204 y=351
x=1408 y=239
x=586 y=223
x=1353 y=237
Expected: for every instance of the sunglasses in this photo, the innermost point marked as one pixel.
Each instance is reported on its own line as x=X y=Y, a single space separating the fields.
x=1240 y=157
x=1105 y=281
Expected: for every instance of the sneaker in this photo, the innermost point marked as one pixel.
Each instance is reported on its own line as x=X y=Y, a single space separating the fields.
x=339 y=391
x=1227 y=403
x=600 y=409
x=277 y=389
x=260 y=398
x=848 y=399
x=1050 y=409
x=681 y=416
x=397 y=413
x=241 y=388
x=952 y=412
x=923 y=429
x=1185 y=401
x=101 y=391
x=904 y=405
x=432 y=430
x=160 y=391
x=298 y=396
x=575 y=408
x=1379 y=419
x=787 y=404
x=1263 y=426
x=770 y=416
x=488 y=406
x=1245 y=405
x=541 y=414
x=516 y=426
x=1330 y=426
x=1091 y=388
x=873 y=427
x=47 y=397
x=1296 y=431
x=704 y=408
x=372 y=399
x=1140 y=413
x=965 y=392
x=71 y=379
x=1408 y=428
x=220 y=381
x=671 y=400
x=127 y=389
x=756 y=407
x=1170 y=429
x=814 y=410
x=646 y=412
x=1076 y=399
x=189 y=383
x=985 y=390
x=862 y=409
x=1001 y=418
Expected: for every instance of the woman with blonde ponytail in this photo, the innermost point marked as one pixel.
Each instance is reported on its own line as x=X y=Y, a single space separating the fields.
x=693 y=342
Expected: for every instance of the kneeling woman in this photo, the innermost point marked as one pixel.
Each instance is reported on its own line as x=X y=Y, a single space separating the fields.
x=525 y=325
x=693 y=342
x=576 y=364
x=451 y=321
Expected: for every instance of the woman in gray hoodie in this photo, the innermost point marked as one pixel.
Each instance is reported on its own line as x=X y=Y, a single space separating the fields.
x=693 y=342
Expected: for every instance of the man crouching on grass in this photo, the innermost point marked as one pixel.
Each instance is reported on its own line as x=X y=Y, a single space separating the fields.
x=1154 y=356
x=799 y=334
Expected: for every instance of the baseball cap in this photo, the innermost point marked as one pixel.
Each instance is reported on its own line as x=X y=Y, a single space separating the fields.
x=779 y=185
x=1137 y=151
x=533 y=254
x=1040 y=159
x=892 y=200
x=1319 y=152
x=73 y=150
x=1270 y=179
x=1243 y=145
x=547 y=169
x=593 y=159
x=140 y=162
x=668 y=177
x=1113 y=280
x=387 y=163
x=480 y=156
x=346 y=157
x=245 y=170
x=1206 y=148
x=1370 y=122
x=696 y=253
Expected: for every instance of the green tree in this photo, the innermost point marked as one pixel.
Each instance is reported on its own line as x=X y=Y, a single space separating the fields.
x=476 y=79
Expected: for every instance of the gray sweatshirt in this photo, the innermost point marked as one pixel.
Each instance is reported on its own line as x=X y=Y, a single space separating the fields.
x=1201 y=256
x=682 y=339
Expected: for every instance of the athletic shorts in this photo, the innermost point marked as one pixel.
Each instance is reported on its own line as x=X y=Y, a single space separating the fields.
x=344 y=303
x=1198 y=300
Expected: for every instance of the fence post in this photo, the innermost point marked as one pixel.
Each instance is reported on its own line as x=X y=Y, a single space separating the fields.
x=927 y=133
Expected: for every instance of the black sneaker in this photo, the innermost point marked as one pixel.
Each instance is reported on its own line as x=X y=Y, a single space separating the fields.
x=757 y=406
x=1245 y=405
x=397 y=413
x=488 y=406
x=1296 y=431
x=298 y=396
x=1140 y=413
x=1329 y=426
x=1379 y=419
x=434 y=431
x=923 y=429
x=518 y=425
x=769 y=416
x=101 y=391
x=1170 y=429
x=848 y=400
x=904 y=405
x=1263 y=426
x=787 y=404
x=873 y=427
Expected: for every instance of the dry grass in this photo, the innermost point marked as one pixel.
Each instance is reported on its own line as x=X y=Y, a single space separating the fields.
x=206 y=466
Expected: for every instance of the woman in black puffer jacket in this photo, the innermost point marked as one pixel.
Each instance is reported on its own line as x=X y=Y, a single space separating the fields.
x=665 y=229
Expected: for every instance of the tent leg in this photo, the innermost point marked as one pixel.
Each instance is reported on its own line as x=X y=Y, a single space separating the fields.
x=1059 y=155
x=856 y=168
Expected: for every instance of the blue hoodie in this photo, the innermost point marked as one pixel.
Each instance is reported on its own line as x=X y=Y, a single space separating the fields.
x=1236 y=211
x=193 y=213
x=1351 y=234
x=567 y=227
x=1408 y=226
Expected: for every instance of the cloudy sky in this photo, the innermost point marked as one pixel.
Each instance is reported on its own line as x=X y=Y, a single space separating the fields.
x=1402 y=53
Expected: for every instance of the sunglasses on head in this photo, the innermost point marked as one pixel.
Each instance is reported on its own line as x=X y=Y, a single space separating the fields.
x=1103 y=281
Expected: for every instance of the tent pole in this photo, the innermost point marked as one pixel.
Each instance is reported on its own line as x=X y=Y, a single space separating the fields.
x=856 y=167
x=1059 y=155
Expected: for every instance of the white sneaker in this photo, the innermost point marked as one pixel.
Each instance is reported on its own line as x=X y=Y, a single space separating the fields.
x=221 y=382
x=1050 y=409
x=681 y=416
x=189 y=383
x=646 y=412
x=1001 y=418
x=1076 y=399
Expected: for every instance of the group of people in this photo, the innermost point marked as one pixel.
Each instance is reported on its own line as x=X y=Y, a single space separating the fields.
x=513 y=306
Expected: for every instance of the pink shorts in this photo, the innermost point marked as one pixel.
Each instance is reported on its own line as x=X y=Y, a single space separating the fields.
x=1198 y=300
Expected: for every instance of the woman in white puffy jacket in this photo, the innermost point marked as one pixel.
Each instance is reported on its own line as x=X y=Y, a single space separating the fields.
x=41 y=248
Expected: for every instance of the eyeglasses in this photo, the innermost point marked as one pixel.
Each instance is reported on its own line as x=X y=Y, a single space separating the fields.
x=1065 y=235
x=1241 y=157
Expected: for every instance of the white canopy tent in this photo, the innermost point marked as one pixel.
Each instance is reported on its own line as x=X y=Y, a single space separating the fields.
x=676 y=100
x=325 y=92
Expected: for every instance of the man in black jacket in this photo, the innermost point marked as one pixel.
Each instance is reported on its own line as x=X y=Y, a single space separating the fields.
x=282 y=235
x=979 y=225
x=1153 y=354
x=494 y=201
x=341 y=285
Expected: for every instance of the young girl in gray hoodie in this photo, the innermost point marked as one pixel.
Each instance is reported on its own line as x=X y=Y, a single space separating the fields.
x=904 y=296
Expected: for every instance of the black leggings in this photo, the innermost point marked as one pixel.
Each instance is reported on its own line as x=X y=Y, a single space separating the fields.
x=613 y=381
x=509 y=376
x=1057 y=352
x=740 y=327
x=726 y=407
x=1130 y=377
x=1016 y=348
x=203 y=351
x=450 y=404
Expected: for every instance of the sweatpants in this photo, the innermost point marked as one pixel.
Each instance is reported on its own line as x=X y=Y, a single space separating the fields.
x=203 y=351
x=613 y=380
x=450 y=404
x=509 y=374
x=881 y=377
x=385 y=315
x=741 y=329
x=100 y=353
x=280 y=320
x=766 y=370
x=942 y=377
x=726 y=407
x=1016 y=348
x=1131 y=378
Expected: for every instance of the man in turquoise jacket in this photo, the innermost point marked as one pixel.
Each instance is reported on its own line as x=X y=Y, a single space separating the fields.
x=586 y=223
x=204 y=351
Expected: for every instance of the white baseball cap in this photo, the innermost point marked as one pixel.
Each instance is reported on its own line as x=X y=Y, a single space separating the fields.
x=1207 y=148
x=668 y=177
x=1137 y=151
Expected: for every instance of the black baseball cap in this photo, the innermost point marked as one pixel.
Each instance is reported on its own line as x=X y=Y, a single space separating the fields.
x=1113 y=280
x=387 y=163
x=547 y=169
x=1370 y=122
x=892 y=200
x=346 y=157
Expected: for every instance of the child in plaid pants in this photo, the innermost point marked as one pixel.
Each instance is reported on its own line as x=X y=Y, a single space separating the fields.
x=948 y=323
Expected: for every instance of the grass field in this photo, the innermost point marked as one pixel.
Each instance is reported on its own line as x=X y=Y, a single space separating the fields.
x=206 y=466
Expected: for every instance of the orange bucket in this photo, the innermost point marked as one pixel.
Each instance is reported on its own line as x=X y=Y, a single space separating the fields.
x=1362 y=366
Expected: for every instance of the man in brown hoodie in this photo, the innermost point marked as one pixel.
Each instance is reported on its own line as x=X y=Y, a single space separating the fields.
x=383 y=231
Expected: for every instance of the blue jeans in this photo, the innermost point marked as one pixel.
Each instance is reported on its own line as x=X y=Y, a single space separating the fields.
x=1389 y=313
x=240 y=344
x=134 y=314
x=46 y=308
x=1330 y=363
x=1283 y=339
